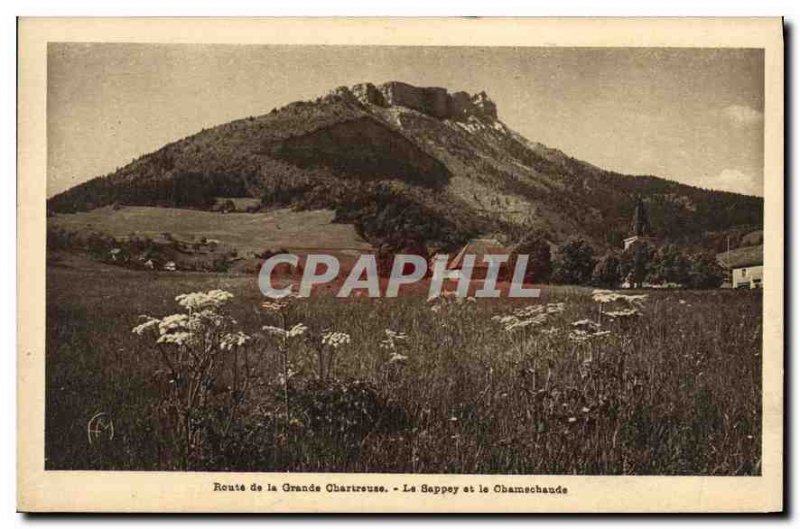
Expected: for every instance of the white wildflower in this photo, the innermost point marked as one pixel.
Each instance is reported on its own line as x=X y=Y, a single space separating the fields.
x=585 y=324
x=231 y=340
x=391 y=338
x=335 y=339
x=397 y=358
x=177 y=338
x=275 y=331
x=296 y=330
x=622 y=314
x=609 y=296
x=173 y=322
x=150 y=323
x=203 y=300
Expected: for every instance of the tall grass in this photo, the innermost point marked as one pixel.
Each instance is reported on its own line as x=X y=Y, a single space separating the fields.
x=677 y=391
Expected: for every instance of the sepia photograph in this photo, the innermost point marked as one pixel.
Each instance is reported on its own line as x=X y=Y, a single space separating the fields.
x=518 y=261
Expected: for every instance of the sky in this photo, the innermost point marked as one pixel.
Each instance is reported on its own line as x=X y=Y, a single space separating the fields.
x=690 y=115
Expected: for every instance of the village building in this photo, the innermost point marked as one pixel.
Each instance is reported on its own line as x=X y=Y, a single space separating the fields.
x=744 y=267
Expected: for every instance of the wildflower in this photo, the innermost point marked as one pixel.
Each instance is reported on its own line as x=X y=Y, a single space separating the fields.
x=391 y=338
x=205 y=318
x=177 y=338
x=608 y=296
x=582 y=335
x=585 y=324
x=516 y=321
x=622 y=314
x=585 y=409
x=173 y=322
x=203 y=300
x=572 y=419
x=335 y=339
x=397 y=358
x=148 y=324
x=295 y=331
x=231 y=340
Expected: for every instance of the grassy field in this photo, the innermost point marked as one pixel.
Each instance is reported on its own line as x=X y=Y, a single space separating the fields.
x=248 y=233
x=675 y=391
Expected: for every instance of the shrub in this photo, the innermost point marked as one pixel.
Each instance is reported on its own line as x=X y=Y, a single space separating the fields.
x=195 y=349
x=574 y=263
x=540 y=266
x=669 y=265
x=705 y=272
x=607 y=271
x=636 y=262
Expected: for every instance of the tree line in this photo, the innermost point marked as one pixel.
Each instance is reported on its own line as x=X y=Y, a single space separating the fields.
x=576 y=263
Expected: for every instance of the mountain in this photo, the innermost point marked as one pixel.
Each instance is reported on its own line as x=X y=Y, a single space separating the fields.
x=404 y=162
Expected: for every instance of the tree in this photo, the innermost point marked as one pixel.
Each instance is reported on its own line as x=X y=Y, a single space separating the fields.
x=705 y=272
x=670 y=265
x=574 y=263
x=636 y=262
x=540 y=265
x=607 y=271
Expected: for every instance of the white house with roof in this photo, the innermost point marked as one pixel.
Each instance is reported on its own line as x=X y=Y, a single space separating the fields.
x=745 y=266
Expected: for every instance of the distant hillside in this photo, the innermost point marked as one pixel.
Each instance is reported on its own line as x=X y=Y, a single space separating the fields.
x=402 y=162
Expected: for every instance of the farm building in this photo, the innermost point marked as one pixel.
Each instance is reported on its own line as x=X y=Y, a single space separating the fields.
x=480 y=248
x=745 y=266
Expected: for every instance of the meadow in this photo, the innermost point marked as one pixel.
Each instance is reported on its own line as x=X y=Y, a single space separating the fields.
x=454 y=387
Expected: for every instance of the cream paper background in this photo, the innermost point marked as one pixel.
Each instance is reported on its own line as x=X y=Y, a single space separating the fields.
x=116 y=491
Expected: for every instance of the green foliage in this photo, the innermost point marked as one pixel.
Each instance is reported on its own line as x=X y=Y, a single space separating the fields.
x=669 y=265
x=574 y=263
x=636 y=262
x=705 y=272
x=540 y=266
x=607 y=272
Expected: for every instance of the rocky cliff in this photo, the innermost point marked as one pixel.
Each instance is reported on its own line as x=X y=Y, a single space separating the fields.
x=433 y=101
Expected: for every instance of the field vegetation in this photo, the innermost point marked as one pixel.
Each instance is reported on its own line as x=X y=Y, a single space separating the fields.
x=577 y=382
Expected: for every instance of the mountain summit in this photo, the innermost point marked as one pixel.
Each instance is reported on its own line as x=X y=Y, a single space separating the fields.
x=411 y=163
x=433 y=101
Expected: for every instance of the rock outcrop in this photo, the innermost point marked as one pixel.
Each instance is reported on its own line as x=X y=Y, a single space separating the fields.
x=433 y=101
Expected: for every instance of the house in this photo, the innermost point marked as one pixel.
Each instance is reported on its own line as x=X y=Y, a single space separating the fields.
x=744 y=266
x=479 y=248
